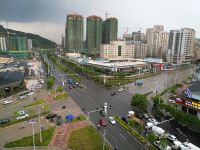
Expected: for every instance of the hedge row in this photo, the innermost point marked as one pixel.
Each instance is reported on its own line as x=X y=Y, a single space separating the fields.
x=140 y=138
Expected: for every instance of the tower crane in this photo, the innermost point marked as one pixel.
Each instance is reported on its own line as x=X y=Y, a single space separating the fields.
x=106 y=12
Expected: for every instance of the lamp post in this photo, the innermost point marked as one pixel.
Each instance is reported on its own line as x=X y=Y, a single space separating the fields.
x=40 y=124
x=33 y=131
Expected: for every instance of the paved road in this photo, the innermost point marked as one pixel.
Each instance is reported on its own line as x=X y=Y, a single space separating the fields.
x=93 y=97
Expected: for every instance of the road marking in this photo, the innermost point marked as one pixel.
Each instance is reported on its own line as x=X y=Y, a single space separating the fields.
x=122 y=136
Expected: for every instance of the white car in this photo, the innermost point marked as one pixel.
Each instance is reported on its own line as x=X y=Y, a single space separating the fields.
x=153 y=121
x=22 y=116
x=171 y=137
x=171 y=101
x=21 y=112
x=31 y=93
x=120 y=90
x=60 y=75
x=112 y=120
x=7 y=102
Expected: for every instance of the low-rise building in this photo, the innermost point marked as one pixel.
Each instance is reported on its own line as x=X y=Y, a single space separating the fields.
x=189 y=101
x=5 y=59
x=117 y=50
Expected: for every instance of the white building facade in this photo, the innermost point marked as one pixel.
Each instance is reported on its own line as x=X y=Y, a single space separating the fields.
x=3 y=44
x=157 y=41
x=181 y=44
x=117 y=50
x=29 y=44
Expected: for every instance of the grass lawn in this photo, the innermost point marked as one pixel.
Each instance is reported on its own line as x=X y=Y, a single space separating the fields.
x=59 y=97
x=86 y=139
x=37 y=102
x=28 y=141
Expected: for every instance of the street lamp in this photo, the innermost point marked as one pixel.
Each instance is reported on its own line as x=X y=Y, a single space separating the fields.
x=155 y=85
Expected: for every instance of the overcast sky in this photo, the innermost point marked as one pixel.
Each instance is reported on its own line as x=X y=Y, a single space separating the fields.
x=48 y=17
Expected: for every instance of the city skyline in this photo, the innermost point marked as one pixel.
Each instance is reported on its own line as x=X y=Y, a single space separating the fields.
x=49 y=20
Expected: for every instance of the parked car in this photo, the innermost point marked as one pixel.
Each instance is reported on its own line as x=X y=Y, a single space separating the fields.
x=7 y=102
x=50 y=116
x=4 y=121
x=146 y=116
x=120 y=89
x=102 y=122
x=161 y=147
x=31 y=93
x=21 y=112
x=22 y=116
x=58 y=120
x=112 y=120
x=153 y=121
x=171 y=137
x=124 y=119
x=171 y=101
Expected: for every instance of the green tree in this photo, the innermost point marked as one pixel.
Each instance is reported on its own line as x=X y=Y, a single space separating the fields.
x=151 y=137
x=59 y=89
x=50 y=82
x=139 y=101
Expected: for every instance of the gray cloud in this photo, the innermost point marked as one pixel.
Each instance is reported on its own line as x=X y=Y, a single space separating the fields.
x=130 y=13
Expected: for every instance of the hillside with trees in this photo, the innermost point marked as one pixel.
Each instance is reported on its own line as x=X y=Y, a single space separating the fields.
x=38 y=41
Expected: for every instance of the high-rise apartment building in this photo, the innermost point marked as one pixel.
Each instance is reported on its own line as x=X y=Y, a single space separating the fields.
x=29 y=44
x=21 y=43
x=117 y=50
x=157 y=41
x=180 y=47
x=110 y=29
x=12 y=43
x=74 y=33
x=3 y=46
x=94 y=34
x=140 y=50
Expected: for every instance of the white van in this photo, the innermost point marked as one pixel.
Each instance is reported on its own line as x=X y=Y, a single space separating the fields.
x=130 y=113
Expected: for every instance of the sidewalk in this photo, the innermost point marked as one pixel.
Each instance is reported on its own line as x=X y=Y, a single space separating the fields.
x=61 y=135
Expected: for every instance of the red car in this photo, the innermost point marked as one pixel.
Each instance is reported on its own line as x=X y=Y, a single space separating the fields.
x=102 y=122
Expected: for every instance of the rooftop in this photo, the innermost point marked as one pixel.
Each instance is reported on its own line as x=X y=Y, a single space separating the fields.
x=9 y=77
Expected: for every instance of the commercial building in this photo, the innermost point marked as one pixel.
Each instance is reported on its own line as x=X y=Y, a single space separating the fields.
x=74 y=33
x=110 y=30
x=117 y=50
x=157 y=41
x=94 y=34
x=29 y=44
x=5 y=59
x=3 y=46
x=180 y=48
x=189 y=101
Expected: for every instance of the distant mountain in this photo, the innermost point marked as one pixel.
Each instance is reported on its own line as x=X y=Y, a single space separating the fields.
x=37 y=40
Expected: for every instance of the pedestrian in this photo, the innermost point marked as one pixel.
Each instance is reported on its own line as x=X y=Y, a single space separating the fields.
x=98 y=126
x=35 y=97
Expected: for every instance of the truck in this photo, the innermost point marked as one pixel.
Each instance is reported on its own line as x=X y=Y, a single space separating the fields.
x=158 y=131
x=190 y=145
x=177 y=144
